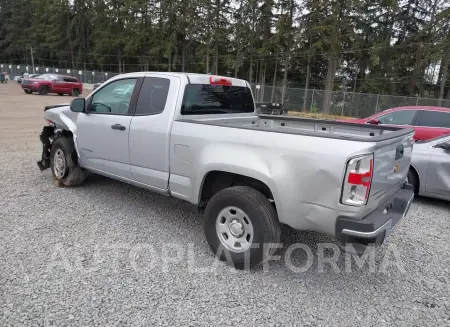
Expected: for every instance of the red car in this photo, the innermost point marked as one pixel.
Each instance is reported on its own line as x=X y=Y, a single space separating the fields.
x=50 y=83
x=428 y=122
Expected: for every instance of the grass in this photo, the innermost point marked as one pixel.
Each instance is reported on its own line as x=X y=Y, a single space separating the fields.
x=317 y=115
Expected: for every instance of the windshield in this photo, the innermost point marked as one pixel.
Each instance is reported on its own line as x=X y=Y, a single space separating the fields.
x=46 y=77
x=200 y=99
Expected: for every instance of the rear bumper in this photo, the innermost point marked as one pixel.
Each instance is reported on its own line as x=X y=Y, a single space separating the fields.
x=378 y=225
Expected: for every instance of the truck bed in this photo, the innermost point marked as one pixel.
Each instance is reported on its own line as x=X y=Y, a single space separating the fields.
x=306 y=126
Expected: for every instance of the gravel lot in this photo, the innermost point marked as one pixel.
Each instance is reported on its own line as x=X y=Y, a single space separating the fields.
x=94 y=256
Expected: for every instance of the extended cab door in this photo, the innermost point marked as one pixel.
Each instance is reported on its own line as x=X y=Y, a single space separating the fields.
x=150 y=130
x=102 y=132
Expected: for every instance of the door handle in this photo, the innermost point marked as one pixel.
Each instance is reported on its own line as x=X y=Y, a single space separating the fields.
x=118 y=127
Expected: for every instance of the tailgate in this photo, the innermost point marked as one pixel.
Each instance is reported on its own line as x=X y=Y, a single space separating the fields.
x=391 y=165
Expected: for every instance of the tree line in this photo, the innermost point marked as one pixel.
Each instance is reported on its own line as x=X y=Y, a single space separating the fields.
x=397 y=47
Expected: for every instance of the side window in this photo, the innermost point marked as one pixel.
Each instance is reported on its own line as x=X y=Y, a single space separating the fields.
x=70 y=80
x=152 y=96
x=435 y=119
x=114 y=98
x=401 y=117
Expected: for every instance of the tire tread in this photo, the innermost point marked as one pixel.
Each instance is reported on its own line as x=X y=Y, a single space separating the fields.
x=76 y=174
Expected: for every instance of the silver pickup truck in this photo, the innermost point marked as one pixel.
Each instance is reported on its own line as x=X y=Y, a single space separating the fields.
x=199 y=138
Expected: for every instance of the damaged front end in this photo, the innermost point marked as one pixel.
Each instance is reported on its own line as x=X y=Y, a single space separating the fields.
x=48 y=135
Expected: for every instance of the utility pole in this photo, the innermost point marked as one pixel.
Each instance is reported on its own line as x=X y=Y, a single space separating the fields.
x=32 y=59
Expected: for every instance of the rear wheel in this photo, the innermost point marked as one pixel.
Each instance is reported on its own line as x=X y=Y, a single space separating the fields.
x=63 y=163
x=61 y=94
x=240 y=224
x=43 y=90
x=75 y=92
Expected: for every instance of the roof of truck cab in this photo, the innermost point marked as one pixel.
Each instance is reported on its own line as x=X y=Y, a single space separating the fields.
x=190 y=76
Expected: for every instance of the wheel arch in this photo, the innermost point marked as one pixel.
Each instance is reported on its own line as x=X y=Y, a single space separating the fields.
x=416 y=172
x=216 y=180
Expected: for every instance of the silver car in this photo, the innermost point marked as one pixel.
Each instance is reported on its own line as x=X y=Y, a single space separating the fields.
x=430 y=168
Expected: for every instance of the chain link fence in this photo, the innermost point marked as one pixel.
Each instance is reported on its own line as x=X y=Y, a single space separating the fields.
x=341 y=103
x=294 y=99
x=85 y=76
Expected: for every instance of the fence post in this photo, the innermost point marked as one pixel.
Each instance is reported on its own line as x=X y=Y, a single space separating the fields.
x=417 y=101
x=343 y=106
x=376 y=106
x=312 y=99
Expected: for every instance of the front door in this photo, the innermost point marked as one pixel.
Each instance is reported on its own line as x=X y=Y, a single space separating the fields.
x=103 y=132
x=58 y=85
x=400 y=118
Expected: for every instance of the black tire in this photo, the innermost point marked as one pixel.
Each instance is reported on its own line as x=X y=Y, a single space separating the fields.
x=43 y=90
x=75 y=92
x=72 y=175
x=262 y=215
x=28 y=91
x=61 y=94
x=413 y=179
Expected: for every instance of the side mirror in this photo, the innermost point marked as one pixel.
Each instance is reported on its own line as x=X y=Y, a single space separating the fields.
x=443 y=145
x=374 y=121
x=78 y=105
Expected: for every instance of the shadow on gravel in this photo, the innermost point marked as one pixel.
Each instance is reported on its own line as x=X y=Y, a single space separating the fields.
x=178 y=215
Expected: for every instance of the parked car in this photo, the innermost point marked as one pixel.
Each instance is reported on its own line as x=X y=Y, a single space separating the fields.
x=427 y=122
x=198 y=138
x=24 y=76
x=51 y=83
x=96 y=85
x=430 y=168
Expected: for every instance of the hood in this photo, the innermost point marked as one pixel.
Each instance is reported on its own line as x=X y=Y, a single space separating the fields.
x=56 y=106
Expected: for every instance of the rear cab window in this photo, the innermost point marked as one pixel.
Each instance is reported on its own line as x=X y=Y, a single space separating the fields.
x=201 y=99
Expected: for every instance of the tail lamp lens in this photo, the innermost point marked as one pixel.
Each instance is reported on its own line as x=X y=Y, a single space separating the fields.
x=358 y=180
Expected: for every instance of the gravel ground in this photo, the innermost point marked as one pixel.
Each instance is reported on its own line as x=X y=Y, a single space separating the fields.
x=97 y=255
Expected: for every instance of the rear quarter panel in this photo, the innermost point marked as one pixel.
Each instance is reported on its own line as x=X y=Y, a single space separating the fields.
x=304 y=173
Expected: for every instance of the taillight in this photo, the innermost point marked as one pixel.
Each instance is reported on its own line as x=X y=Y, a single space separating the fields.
x=215 y=80
x=358 y=179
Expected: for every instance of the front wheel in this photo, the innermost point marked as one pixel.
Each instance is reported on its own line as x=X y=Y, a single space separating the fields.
x=43 y=90
x=240 y=225
x=63 y=163
x=75 y=92
x=28 y=91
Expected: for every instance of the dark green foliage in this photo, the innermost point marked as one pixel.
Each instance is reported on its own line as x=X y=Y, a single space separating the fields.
x=399 y=47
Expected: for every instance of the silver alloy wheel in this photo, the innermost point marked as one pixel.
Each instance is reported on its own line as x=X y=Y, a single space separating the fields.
x=59 y=164
x=234 y=229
